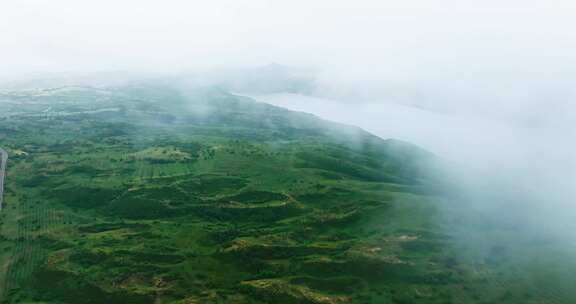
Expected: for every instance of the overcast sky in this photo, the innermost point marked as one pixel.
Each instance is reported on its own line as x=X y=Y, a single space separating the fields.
x=442 y=50
x=411 y=39
x=512 y=55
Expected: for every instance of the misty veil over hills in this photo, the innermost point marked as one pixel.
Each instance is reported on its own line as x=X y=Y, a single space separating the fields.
x=193 y=188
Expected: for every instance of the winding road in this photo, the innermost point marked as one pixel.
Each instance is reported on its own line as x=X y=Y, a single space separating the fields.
x=4 y=156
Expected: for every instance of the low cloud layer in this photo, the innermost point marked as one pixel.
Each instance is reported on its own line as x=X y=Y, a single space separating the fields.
x=487 y=85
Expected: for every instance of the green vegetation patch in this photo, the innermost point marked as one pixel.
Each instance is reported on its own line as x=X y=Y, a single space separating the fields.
x=84 y=197
x=256 y=197
x=60 y=286
x=130 y=207
x=210 y=185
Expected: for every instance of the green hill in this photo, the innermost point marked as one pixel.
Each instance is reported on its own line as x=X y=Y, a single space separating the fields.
x=150 y=194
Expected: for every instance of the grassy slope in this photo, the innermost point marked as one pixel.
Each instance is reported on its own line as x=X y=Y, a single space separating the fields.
x=209 y=198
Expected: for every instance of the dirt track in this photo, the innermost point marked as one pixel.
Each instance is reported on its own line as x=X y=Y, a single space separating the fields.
x=4 y=156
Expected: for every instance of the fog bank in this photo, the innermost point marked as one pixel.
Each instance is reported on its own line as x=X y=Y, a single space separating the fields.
x=514 y=175
x=487 y=85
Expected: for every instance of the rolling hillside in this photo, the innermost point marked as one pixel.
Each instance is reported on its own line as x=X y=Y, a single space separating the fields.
x=150 y=194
